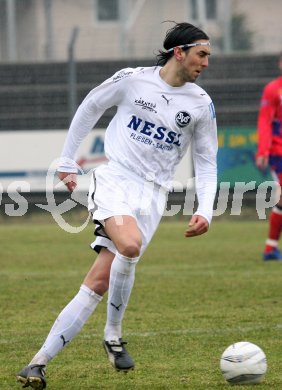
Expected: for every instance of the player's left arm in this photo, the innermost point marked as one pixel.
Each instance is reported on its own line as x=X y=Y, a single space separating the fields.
x=197 y=225
x=265 y=118
x=204 y=152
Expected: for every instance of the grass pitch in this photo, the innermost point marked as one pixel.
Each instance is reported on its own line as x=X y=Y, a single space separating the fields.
x=192 y=298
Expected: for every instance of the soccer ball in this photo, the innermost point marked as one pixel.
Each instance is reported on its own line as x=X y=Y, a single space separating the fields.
x=243 y=363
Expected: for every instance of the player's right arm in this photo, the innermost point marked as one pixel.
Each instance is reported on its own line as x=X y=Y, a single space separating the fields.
x=265 y=119
x=106 y=95
x=70 y=180
x=262 y=162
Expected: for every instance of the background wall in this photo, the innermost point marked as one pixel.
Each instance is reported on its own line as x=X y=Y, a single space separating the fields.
x=41 y=30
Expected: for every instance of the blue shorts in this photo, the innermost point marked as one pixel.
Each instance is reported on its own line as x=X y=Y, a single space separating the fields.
x=275 y=163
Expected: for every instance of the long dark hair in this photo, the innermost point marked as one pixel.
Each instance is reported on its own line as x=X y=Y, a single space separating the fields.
x=179 y=34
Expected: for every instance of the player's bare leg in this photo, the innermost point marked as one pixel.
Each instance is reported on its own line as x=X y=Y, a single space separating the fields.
x=97 y=279
x=127 y=239
x=70 y=321
x=271 y=251
x=124 y=233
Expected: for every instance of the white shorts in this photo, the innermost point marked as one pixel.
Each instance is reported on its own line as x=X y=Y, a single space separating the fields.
x=116 y=191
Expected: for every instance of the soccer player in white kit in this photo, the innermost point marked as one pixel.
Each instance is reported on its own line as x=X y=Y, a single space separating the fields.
x=160 y=111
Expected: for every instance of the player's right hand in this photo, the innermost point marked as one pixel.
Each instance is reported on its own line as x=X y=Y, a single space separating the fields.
x=69 y=179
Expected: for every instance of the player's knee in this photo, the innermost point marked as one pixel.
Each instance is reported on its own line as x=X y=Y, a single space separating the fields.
x=131 y=249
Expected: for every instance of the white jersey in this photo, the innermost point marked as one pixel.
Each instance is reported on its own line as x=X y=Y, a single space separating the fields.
x=152 y=129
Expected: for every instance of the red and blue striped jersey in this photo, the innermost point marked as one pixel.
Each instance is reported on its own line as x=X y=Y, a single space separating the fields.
x=270 y=120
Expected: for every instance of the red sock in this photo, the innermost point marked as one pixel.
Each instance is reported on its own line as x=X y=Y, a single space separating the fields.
x=275 y=226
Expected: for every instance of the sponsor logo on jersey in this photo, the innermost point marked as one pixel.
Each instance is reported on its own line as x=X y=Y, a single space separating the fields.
x=182 y=118
x=121 y=75
x=146 y=105
x=166 y=99
x=154 y=132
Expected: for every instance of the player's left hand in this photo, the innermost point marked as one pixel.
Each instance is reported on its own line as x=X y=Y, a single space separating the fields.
x=198 y=225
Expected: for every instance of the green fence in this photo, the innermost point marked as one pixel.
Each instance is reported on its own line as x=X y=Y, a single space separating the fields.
x=236 y=156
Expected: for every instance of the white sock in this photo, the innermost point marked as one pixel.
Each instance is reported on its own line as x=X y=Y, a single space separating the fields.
x=68 y=324
x=122 y=277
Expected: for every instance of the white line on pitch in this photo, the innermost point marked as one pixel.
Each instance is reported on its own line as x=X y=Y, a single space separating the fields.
x=194 y=331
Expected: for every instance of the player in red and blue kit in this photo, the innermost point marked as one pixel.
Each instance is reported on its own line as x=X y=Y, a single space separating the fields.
x=270 y=154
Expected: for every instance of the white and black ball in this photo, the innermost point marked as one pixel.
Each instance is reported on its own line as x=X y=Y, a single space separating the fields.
x=243 y=363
